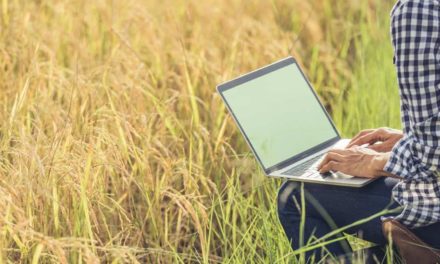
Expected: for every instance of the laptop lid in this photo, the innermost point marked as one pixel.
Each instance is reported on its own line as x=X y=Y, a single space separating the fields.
x=279 y=114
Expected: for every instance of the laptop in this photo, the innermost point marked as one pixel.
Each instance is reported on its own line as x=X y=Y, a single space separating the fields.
x=285 y=124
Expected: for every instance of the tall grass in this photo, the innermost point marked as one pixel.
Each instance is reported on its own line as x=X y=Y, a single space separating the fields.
x=114 y=146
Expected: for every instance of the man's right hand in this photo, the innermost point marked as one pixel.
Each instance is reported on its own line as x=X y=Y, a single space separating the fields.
x=379 y=139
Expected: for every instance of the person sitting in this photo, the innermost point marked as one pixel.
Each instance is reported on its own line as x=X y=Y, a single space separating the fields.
x=406 y=162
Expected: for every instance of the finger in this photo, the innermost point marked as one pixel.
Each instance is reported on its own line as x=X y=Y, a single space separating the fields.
x=370 y=138
x=342 y=152
x=331 y=156
x=331 y=166
x=362 y=133
x=379 y=147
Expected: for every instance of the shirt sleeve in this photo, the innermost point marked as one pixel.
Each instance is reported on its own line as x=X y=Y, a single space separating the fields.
x=415 y=35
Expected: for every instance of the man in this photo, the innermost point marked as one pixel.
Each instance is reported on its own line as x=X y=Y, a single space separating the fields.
x=406 y=161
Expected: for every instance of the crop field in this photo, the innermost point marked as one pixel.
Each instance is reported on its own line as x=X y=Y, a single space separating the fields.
x=116 y=148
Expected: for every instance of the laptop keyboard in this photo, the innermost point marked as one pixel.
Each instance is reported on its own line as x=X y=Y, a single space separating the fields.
x=308 y=166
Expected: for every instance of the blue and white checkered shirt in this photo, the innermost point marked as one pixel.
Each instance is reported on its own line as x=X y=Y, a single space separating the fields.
x=415 y=30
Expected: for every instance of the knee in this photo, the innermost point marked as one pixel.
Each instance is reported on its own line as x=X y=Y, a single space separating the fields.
x=286 y=196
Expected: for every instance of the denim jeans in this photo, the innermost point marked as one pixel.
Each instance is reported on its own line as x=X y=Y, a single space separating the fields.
x=330 y=207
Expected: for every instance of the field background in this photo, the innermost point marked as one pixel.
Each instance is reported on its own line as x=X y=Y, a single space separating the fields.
x=115 y=147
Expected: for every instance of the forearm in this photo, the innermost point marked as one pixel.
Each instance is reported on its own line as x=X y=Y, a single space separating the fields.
x=414 y=158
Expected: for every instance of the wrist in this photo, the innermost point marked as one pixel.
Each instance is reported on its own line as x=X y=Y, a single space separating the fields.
x=379 y=162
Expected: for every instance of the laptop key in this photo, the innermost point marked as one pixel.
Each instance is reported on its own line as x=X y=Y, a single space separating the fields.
x=325 y=175
x=302 y=168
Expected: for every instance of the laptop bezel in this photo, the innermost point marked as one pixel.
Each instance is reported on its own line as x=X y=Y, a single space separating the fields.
x=256 y=74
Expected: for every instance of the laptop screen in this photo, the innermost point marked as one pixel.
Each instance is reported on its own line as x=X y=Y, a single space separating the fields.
x=279 y=113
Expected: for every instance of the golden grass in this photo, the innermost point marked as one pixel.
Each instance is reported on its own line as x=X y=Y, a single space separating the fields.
x=114 y=146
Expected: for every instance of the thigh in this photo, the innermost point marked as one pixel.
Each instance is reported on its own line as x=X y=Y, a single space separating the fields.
x=342 y=206
x=429 y=234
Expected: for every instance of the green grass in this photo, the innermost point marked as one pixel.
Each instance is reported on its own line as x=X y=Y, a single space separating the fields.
x=115 y=147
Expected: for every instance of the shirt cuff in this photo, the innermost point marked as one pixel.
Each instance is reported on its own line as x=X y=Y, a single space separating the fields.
x=403 y=162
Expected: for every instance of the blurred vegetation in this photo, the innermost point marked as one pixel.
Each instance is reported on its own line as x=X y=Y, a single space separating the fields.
x=115 y=147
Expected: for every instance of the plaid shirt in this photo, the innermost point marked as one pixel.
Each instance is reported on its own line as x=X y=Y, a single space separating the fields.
x=415 y=30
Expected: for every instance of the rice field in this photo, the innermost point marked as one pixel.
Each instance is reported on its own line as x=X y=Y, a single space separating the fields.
x=115 y=147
